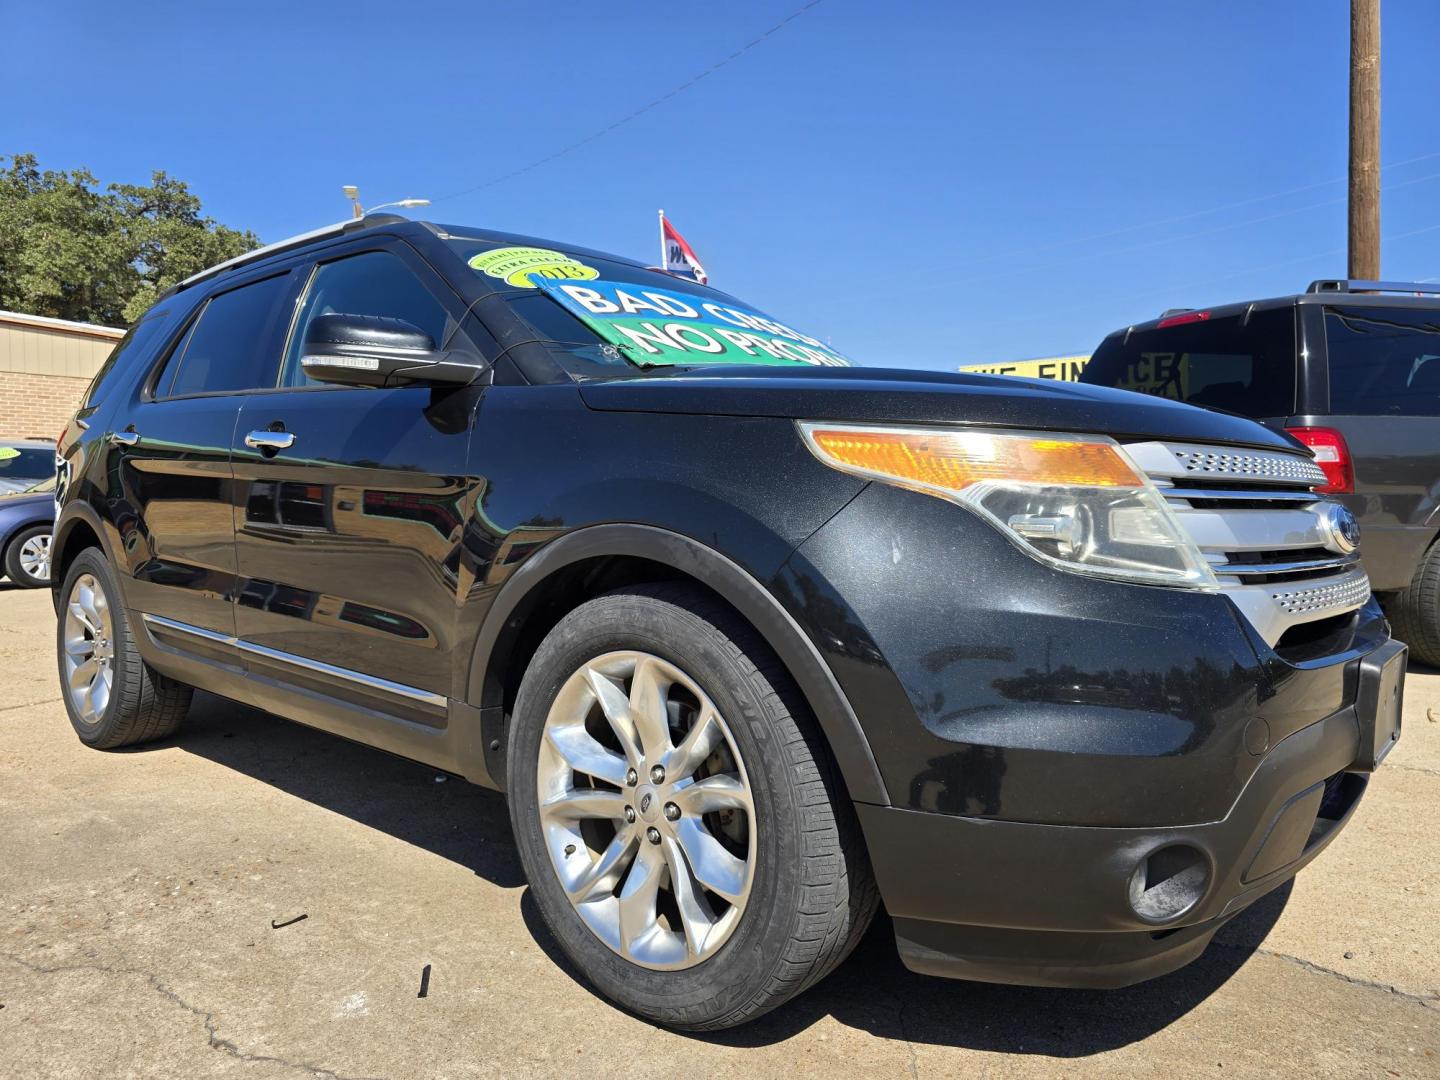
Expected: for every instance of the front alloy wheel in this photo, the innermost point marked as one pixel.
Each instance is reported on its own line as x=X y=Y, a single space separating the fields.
x=686 y=837
x=646 y=809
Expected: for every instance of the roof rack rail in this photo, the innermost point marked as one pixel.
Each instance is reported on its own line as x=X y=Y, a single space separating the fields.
x=1326 y=286
x=338 y=229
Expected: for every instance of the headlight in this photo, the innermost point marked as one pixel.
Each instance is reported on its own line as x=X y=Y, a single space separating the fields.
x=1073 y=501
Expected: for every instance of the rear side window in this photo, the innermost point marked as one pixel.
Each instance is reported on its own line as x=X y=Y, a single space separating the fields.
x=373 y=283
x=138 y=340
x=1218 y=363
x=1383 y=361
x=231 y=344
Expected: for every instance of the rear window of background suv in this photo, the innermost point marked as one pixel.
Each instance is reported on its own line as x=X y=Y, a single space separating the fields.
x=1383 y=361
x=1218 y=363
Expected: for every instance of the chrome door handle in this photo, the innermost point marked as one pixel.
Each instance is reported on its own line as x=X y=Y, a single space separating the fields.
x=270 y=440
x=126 y=438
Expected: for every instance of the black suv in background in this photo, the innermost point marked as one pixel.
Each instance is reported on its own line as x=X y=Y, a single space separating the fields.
x=751 y=639
x=1351 y=369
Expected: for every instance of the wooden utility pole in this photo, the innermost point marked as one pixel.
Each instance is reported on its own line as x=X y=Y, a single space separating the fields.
x=1364 y=263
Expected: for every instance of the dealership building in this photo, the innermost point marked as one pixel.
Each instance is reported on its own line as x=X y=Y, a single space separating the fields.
x=45 y=365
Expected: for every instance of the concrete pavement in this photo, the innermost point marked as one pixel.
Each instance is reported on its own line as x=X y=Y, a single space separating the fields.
x=138 y=891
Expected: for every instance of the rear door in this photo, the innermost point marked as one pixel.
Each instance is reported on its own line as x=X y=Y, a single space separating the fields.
x=1384 y=374
x=348 y=531
x=171 y=493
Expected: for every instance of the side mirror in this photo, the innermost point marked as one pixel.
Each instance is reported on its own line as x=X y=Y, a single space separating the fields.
x=371 y=350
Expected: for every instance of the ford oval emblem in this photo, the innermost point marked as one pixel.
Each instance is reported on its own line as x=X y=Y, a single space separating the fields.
x=1339 y=527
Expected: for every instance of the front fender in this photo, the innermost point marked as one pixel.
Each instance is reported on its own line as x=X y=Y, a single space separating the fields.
x=717 y=572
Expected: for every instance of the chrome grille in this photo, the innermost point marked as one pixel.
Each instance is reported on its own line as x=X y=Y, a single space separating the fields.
x=1258 y=466
x=1349 y=591
x=1253 y=515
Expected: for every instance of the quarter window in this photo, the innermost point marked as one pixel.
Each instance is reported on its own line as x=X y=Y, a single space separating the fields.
x=374 y=283
x=1384 y=361
x=138 y=338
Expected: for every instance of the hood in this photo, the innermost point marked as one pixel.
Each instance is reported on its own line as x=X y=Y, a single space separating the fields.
x=877 y=395
x=25 y=498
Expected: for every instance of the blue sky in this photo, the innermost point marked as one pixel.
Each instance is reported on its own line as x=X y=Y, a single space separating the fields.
x=924 y=184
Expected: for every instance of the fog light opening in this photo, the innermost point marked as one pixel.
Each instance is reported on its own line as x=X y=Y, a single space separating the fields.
x=1169 y=882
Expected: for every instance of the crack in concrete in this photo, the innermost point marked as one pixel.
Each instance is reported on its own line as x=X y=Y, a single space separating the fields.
x=1425 y=1001
x=207 y=1017
x=30 y=704
x=913 y=1065
x=1413 y=768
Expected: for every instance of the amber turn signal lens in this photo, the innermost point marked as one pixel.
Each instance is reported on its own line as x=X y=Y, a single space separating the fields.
x=953 y=460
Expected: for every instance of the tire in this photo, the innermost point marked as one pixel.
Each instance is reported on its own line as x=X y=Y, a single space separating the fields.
x=25 y=547
x=137 y=704
x=811 y=892
x=1415 y=610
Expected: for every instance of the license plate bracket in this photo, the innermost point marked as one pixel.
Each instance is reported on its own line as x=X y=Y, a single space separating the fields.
x=1379 y=698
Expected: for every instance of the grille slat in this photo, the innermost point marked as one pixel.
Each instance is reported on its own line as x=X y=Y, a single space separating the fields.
x=1232 y=495
x=1259 y=467
x=1254 y=517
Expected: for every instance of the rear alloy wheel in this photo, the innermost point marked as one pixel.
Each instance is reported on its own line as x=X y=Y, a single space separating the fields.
x=683 y=828
x=27 y=559
x=89 y=647
x=112 y=696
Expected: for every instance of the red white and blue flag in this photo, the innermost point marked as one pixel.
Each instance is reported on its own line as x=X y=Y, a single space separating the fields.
x=678 y=257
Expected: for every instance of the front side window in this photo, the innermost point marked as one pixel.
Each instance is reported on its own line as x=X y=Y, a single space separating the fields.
x=229 y=345
x=1383 y=361
x=1240 y=367
x=374 y=283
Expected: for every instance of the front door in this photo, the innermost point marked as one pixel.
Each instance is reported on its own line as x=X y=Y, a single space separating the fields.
x=351 y=505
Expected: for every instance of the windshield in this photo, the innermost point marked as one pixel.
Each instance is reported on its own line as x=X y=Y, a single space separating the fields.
x=26 y=463
x=606 y=312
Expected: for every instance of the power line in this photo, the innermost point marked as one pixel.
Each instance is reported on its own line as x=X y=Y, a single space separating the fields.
x=602 y=132
x=1174 y=291
x=1161 y=222
x=1161 y=242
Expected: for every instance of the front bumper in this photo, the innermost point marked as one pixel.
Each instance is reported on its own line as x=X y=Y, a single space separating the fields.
x=1085 y=779
x=1055 y=905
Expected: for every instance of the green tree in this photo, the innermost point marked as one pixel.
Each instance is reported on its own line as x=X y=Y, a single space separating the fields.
x=71 y=251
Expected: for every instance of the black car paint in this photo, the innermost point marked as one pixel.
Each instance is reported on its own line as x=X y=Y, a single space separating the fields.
x=428 y=537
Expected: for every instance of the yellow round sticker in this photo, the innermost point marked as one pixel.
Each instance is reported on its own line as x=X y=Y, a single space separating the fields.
x=516 y=264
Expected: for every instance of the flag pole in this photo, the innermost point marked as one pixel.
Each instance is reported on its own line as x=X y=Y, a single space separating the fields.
x=664 y=258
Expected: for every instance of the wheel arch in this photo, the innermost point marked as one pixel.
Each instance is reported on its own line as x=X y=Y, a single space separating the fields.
x=571 y=569
x=77 y=528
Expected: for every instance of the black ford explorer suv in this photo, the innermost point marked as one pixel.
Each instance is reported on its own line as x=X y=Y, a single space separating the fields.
x=1065 y=676
x=1351 y=369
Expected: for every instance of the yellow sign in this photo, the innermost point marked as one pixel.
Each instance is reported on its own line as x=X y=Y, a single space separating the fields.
x=516 y=264
x=1063 y=368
